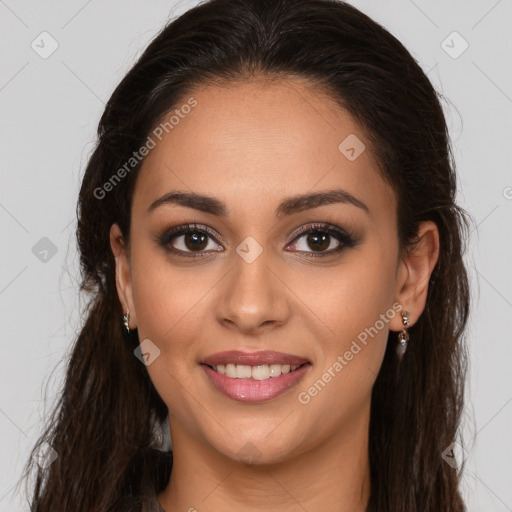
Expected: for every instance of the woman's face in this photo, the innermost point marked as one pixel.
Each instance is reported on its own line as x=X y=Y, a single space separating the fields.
x=245 y=279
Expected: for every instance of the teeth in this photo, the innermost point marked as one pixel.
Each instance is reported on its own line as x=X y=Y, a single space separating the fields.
x=242 y=371
x=261 y=372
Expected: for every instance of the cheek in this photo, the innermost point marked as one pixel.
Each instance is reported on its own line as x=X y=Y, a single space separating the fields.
x=349 y=360
x=170 y=306
x=352 y=319
x=168 y=298
x=347 y=299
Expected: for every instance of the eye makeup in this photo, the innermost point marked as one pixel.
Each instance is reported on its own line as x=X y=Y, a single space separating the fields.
x=199 y=234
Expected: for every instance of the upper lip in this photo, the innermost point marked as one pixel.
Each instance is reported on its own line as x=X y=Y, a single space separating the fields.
x=253 y=358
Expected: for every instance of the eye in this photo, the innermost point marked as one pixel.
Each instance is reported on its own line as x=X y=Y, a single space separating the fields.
x=316 y=240
x=322 y=239
x=189 y=239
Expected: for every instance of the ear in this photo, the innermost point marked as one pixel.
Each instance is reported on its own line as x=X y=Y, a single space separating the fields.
x=414 y=271
x=123 y=273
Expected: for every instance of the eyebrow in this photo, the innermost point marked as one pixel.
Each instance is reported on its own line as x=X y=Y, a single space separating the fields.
x=287 y=207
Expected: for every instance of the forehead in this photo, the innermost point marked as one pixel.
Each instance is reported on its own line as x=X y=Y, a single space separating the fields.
x=254 y=142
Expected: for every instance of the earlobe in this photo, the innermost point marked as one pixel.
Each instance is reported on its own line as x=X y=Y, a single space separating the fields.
x=123 y=274
x=414 y=273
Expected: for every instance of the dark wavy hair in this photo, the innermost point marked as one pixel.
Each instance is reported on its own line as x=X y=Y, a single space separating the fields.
x=105 y=425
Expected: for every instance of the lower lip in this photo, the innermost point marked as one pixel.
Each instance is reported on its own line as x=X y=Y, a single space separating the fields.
x=251 y=390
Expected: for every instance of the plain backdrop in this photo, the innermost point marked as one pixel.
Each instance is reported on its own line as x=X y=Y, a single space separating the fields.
x=50 y=104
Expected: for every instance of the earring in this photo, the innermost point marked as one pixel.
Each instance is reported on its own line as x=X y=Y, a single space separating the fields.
x=126 y=319
x=403 y=336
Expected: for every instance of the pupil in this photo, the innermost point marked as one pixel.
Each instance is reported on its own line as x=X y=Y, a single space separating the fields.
x=197 y=238
x=314 y=238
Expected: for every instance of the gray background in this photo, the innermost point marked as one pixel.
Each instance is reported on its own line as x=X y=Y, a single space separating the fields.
x=49 y=111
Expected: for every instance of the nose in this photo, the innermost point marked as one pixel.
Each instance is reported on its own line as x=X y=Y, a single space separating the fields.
x=253 y=298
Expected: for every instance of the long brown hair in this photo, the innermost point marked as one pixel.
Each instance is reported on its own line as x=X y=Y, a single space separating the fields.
x=105 y=426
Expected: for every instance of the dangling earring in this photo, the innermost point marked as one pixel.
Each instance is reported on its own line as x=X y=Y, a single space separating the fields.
x=126 y=320
x=403 y=336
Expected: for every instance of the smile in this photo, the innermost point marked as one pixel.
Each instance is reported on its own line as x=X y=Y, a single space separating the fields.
x=259 y=372
x=253 y=384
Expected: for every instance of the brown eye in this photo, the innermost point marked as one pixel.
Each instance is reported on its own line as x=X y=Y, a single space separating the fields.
x=318 y=241
x=189 y=240
x=195 y=241
x=322 y=240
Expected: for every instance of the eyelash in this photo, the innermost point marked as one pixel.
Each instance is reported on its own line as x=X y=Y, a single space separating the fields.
x=346 y=239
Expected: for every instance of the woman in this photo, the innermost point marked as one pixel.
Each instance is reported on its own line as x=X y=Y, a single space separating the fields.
x=269 y=236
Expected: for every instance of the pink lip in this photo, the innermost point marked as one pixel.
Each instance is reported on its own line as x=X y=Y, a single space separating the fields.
x=253 y=358
x=251 y=390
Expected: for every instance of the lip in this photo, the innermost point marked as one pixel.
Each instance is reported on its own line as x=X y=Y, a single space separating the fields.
x=253 y=358
x=251 y=390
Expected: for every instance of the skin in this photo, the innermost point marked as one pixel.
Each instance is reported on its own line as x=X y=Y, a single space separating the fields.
x=252 y=144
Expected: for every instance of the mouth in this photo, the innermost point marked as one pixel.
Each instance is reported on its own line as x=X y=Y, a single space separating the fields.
x=256 y=372
x=261 y=358
x=254 y=377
